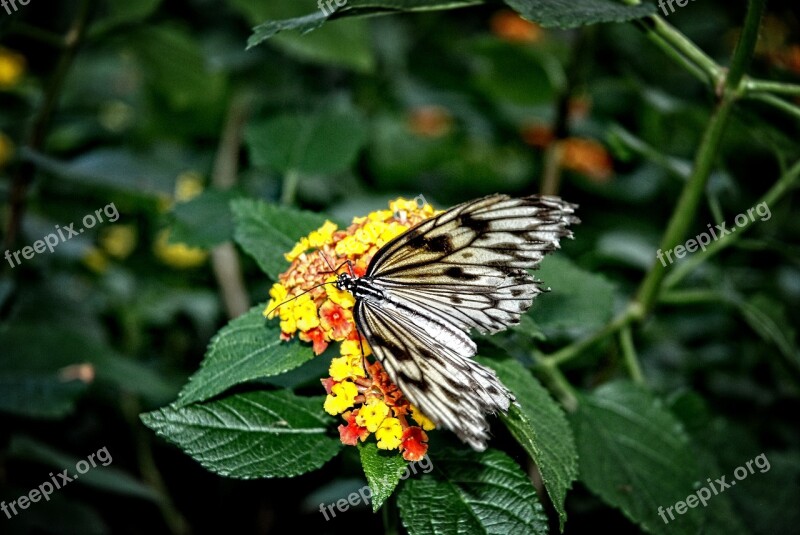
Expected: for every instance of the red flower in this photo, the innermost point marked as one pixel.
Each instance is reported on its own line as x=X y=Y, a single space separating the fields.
x=317 y=336
x=351 y=433
x=414 y=444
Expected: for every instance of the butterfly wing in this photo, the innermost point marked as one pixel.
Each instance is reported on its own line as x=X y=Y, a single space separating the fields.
x=467 y=265
x=461 y=270
x=435 y=373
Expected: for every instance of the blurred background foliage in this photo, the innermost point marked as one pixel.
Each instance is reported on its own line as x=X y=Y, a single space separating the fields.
x=158 y=108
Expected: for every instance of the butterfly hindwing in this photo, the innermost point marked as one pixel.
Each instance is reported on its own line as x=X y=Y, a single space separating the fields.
x=437 y=374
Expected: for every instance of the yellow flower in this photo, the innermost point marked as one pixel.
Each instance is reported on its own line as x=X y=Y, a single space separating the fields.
x=301 y=247
x=372 y=415
x=392 y=230
x=177 y=255
x=188 y=186
x=389 y=434
x=342 y=298
x=12 y=67
x=278 y=295
x=351 y=246
x=353 y=348
x=6 y=149
x=421 y=419
x=348 y=367
x=304 y=311
x=95 y=260
x=119 y=241
x=403 y=205
x=322 y=236
x=342 y=397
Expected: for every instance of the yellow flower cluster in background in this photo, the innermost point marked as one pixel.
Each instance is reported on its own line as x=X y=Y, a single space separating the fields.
x=12 y=67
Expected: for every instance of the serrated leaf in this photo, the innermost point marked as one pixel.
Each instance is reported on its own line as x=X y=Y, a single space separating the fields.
x=204 y=221
x=248 y=348
x=251 y=435
x=574 y=13
x=636 y=456
x=540 y=426
x=383 y=470
x=268 y=231
x=326 y=141
x=579 y=301
x=39 y=396
x=471 y=492
x=353 y=8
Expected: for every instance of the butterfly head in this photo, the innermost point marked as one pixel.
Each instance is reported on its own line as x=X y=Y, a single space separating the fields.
x=345 y=281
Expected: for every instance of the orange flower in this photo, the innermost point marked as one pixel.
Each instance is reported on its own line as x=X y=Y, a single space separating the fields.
x=508 y=25
x=352 y=433
x=538 y=135
x=430 y=121
x=335 y=320
x=587 y=157
x=414 y=444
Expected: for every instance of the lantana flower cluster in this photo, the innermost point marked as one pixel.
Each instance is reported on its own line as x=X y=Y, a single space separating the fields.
x=357 y=389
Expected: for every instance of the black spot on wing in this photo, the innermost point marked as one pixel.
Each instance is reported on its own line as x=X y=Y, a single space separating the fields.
x=458 y=272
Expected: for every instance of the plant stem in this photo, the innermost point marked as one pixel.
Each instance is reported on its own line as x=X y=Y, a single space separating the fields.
x=224 y=258
x=776 y=102
x=573 y=350
x=746 y=45
x=629 y=352
x=784 y=184
x=681 y=49
x=290 y=183
x=558 y=384
x=687 y=205
x=41 y=122
x=750 y=85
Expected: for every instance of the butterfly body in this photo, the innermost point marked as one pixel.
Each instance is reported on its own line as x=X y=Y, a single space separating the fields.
x=424 y=291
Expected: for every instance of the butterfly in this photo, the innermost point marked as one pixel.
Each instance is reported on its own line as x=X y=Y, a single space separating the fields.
x=426 y=289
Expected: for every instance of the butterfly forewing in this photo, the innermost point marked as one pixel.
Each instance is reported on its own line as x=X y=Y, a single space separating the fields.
x=463 y=269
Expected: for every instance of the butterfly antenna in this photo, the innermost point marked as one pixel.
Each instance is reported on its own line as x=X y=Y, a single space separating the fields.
x=270 y=311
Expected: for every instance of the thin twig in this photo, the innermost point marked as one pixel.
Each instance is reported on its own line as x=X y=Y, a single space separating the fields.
x=41 y=122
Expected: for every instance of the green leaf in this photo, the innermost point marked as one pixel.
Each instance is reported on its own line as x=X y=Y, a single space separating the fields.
x=39 y=396
x=572 y=13
x=636 y=456
x=204 y=221
x=99 y=476
x=268 y=231
x=248 y=348
x=383 y=470
x=768 y=318
x=354 y=8
x=579 y=301
x=324 y=142
x=540 y=426
x=252 y=435
x=119 y=12
x=470 y=492
x=174 y=63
